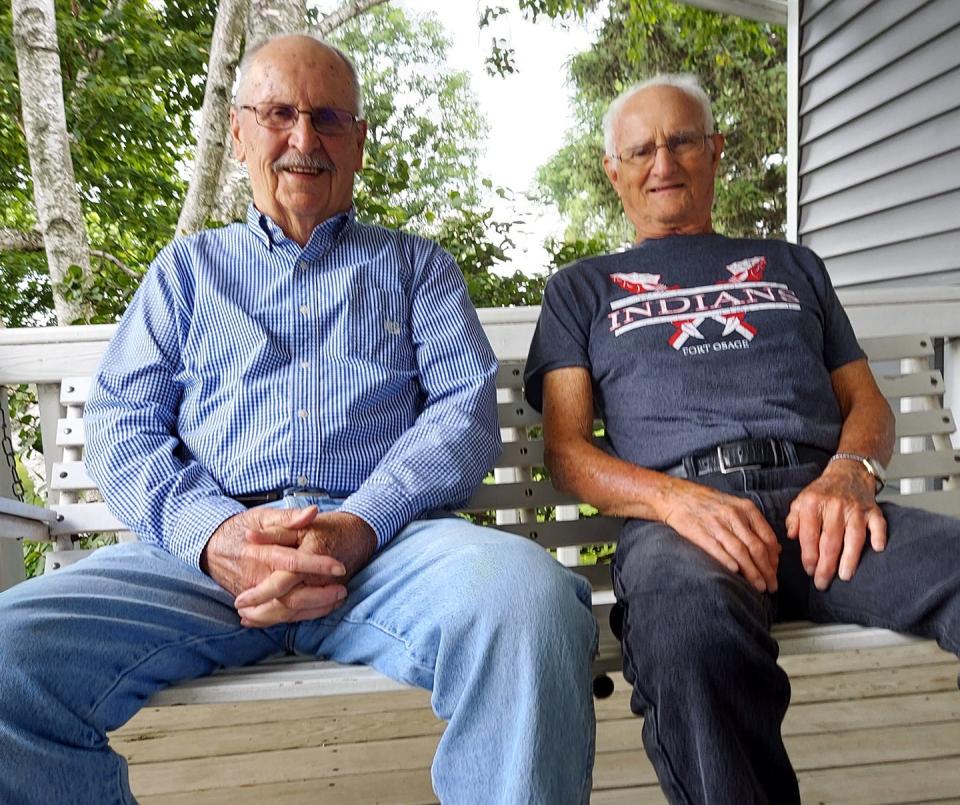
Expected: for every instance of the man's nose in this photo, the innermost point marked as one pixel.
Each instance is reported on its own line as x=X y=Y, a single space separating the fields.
x=664 y=160
x=303 y=136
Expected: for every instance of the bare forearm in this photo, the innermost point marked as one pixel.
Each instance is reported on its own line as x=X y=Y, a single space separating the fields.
x=614 y=486
x=868 y=430
x=868 y=424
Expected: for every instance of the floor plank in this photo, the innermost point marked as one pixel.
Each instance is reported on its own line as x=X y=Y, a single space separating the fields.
x=851 y=685
x=278 y=735
x=396 y=788
x=798 y=665
x=883 y=784
x=184 y=717
x=257 y=768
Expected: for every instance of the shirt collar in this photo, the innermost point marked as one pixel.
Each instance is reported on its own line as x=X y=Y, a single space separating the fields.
x=322 y=239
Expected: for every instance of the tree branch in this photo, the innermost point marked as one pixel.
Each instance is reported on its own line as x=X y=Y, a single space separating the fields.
x=117 y=262
x=346 y=12
x=94 y=56
x=19 y=240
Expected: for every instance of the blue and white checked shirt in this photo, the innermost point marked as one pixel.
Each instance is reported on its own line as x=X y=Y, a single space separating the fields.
x=245 y=363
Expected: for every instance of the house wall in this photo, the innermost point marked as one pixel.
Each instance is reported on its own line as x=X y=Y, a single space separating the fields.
x=875 y=138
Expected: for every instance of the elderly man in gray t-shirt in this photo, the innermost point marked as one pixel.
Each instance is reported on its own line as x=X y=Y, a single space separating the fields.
x=747 y=442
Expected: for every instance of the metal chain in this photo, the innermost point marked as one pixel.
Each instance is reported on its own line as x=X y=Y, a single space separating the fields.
x=11 y=457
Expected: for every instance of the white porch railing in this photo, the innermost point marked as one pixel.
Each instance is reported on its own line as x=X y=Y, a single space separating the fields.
x=934 y=311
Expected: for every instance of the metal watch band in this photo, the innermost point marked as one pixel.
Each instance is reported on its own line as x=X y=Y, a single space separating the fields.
x=869 y=464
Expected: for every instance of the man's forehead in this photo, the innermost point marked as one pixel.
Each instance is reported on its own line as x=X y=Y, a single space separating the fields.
x=659 y=109
x=310 y=69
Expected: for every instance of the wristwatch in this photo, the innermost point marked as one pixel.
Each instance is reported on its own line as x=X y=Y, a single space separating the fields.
x=870 y=464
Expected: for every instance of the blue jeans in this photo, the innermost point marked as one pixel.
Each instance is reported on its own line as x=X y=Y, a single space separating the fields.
x=500 y=632
x=697 y=645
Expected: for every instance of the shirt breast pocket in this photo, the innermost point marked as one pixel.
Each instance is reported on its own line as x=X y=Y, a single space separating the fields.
x=379 y=327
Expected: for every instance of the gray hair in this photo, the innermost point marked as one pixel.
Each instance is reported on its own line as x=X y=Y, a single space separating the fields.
x=685 y=82
x=249 y=57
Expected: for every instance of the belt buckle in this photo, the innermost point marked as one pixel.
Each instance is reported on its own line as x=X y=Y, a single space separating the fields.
x=726 y=469
x=303 y=492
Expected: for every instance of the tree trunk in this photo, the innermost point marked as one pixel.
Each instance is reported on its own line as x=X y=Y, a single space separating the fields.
x=55 y=195
x=268 y=18
x=212 y=144
x=346 y=12
x=265 y=18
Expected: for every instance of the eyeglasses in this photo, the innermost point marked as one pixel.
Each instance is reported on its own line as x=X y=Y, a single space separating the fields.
x=324 y=119
x=681 y=145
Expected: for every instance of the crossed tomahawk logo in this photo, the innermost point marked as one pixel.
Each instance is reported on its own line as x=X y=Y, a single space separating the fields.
x=749 y=270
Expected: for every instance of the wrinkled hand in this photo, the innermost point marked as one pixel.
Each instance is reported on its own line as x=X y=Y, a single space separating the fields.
x=831 y=518
x=287 y=595
x=732 y=530
x=237 y=563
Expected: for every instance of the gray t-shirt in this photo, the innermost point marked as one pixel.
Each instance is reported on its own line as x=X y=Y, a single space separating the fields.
x=696 y=340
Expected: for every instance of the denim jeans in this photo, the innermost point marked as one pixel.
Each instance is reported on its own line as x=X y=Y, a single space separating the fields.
x=697 y=645
x=500 y=632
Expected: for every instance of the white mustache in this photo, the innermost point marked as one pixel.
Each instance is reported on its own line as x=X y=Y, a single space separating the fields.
x=292 y=162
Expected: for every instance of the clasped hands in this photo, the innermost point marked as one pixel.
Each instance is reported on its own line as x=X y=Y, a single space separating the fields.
x=286 y=565
x=831 y=518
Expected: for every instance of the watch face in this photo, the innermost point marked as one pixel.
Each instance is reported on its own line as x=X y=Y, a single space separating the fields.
x=876 y=469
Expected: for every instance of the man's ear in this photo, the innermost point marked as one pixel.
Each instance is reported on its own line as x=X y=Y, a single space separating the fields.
x=611 y=167
x=718 y=141
x=238 y=149
x=361 y=138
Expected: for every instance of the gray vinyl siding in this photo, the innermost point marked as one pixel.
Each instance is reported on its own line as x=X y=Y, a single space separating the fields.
x=879 y=139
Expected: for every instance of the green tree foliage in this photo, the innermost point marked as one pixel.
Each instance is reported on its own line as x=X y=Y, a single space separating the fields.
x=501 y=60
x=133 y=77
x=420 y=170
x=424 y=128
x=742 y=66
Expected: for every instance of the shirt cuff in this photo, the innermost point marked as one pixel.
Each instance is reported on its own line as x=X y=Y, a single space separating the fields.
x=382 y=508
x=196 y=524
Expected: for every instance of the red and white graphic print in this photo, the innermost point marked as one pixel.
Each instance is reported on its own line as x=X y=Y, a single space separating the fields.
x=728 y=301
x=638 y=283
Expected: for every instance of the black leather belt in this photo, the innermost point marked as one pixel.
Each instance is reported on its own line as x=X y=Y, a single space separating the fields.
x=262 y=498
x=748 y=454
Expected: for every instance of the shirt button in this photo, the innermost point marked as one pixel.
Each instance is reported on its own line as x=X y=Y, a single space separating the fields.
x=302 y=265
x=302 y=413
x=304 y=309
x=302 y=480
x=304 y=364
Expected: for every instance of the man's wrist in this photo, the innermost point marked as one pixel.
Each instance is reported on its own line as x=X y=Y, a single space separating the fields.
x=196 y=523
x=869 y=464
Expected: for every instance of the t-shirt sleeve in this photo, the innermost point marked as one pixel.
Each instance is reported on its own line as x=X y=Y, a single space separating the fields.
x=561 y=338
x=840 y=345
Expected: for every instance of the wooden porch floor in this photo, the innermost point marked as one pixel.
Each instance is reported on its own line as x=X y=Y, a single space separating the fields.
x=871 y=726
